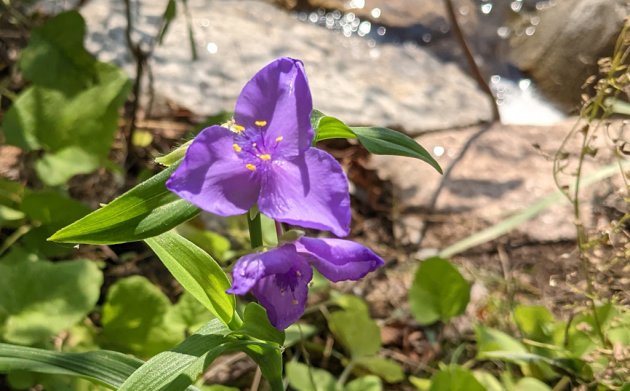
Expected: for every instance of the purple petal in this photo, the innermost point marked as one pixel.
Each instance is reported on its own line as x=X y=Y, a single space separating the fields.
x=338 y=259
x=279 y=96
x=310 y=191
x=278 y=279
x=213 y=177
x=284 y=295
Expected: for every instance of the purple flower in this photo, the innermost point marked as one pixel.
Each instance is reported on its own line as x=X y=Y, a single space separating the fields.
x=279 y=278
x=264 y=156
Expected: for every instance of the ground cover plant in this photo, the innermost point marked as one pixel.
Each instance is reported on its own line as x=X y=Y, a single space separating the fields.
x=78 y=313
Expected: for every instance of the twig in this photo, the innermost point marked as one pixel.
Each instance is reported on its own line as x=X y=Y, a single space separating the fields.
x=256 y=381
x=447 y=175
x=470 y=59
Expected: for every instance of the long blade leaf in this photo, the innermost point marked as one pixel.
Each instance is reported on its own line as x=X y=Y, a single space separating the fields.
x=198 y=273
x=146 y=210
x=104 y=367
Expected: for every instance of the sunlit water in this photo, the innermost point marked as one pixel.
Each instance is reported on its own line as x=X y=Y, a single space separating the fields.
x=516 y=95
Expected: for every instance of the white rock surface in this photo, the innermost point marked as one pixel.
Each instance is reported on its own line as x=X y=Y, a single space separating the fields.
x=359 y=81
x=507 y=169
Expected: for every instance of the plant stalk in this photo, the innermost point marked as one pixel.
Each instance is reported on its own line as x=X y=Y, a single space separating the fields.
x=255 y=230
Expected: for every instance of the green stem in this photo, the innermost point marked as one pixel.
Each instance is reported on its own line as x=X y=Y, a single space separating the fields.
x=255 y=229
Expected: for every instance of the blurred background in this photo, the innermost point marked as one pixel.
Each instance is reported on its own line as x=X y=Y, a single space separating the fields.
x=506 y=95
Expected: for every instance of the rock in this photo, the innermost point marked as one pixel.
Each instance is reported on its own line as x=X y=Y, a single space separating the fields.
x=566 y=43
x=355 y=79
x=506 y=169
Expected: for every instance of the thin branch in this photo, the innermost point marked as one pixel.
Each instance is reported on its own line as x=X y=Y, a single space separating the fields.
x=474 y=69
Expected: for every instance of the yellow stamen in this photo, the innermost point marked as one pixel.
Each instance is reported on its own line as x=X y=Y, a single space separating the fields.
x=237 y=148
x=279 y=138
x=250 y=167
x=265 y=157
x=260 y=123
x=237 y=128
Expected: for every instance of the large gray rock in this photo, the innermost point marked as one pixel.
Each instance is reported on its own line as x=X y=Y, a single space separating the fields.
x=357 y=80
x=562 y=50
x=508 y=168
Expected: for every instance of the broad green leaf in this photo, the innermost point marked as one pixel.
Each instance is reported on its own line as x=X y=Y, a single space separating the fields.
x=189 y=313
x=43 y=118
x=11 y=193
x=55 y=56
x=359 y=334
x=492 y=340
x=350 y=302
x=197 y=272
x=438 y=292
x=218 y=387
x=388 y=370
x=182 y=365
x=52 y=208
x=135 y=317
x=269 y=360
x=531 y=384
x=104 y=367
x=329 y=127
x=455 y=378
x=40 y=299
x=55 y=169
x=488 y=381
x=147 y=210
x=304 y=378
x=535 y=322
x=384 y=141
x=256 y=324
x=365 y=383
x=298 y=332
x=218 y=246
x=420 y=384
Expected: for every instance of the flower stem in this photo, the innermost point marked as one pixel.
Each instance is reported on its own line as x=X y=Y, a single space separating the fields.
x=255 y=229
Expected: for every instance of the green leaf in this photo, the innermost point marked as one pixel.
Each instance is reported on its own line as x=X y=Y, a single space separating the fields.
x=40 y=299
x=455 y=378
x=174 y=156
x=269 y=359
x=135 y=317
x=256 y=324
x=198 y=273
x=488 y=381
x=304 y=378
x=55 y=56
x=365 y=383
x=182 y=365
x=384 y=141
x=189 y=313
x=43 y=118
x=103 y=367
x=388 y=370
x=55 y=169
x=359 y=334
x=535 y=322
x=329 y=127
x=169 y=15
x=531 y=384
x=218 y=246
x=438 y=292
x=298 y=332
x=491 y=340
x=147 y=210
x=52 y=208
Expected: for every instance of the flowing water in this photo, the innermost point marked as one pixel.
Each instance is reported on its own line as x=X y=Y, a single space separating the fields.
x=489 y=25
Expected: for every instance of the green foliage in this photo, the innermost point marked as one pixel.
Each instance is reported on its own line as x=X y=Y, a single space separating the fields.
x=198 y=273
x=438 y=293
x=455 y=378
x=256 y=324
x=39 y=299
x=356 y=331
x=135 y=318
x=388 y=370
x=365 y=383
x=147 y=210
x=104 y=367
x=52 y=114
x=304 y=378
x=327 y=127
